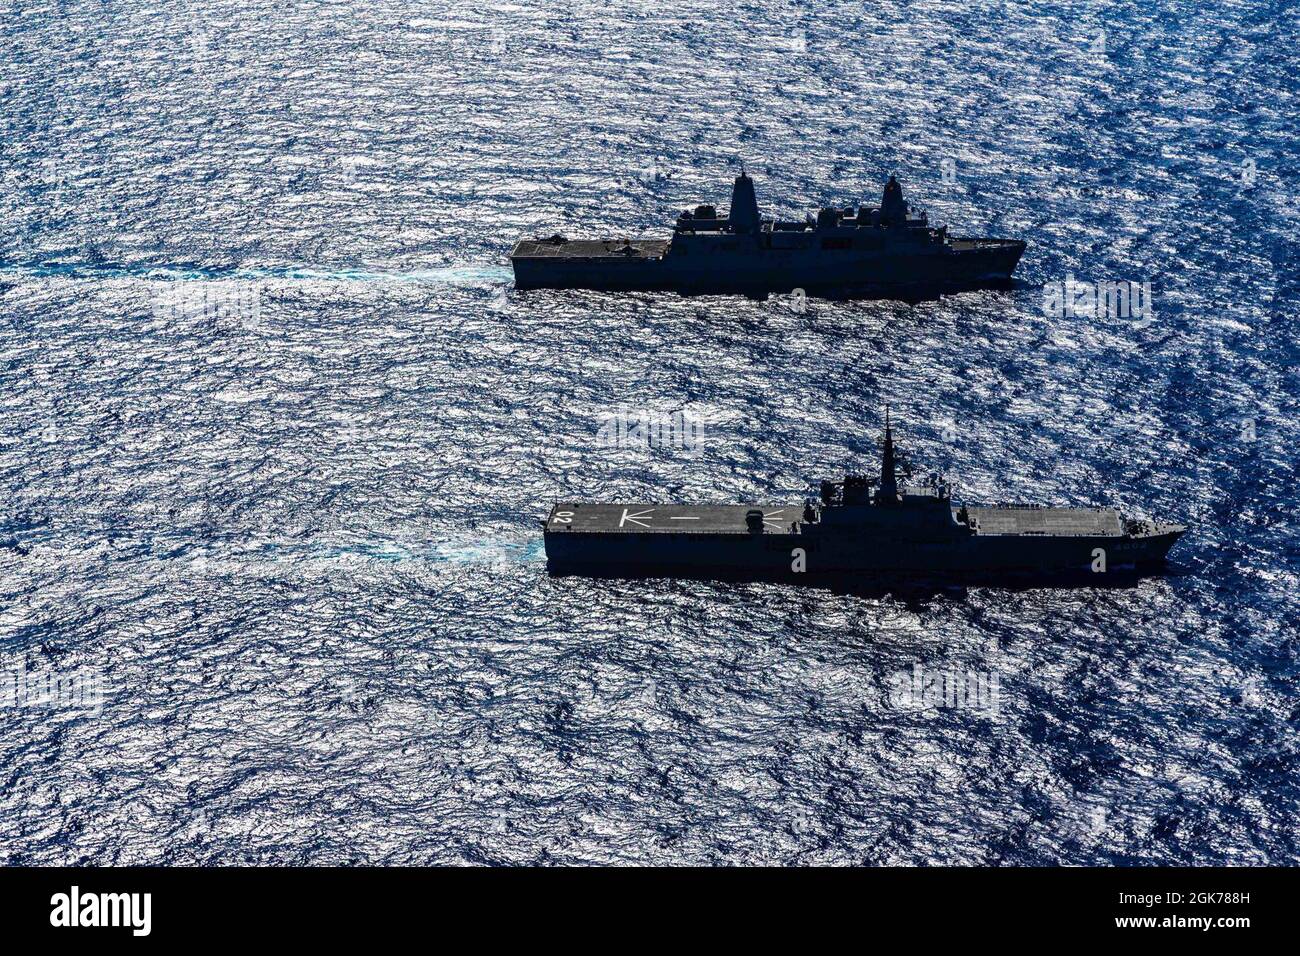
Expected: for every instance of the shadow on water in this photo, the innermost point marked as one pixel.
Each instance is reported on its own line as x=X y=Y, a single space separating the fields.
x=912 y=589
x=911 y=295
x=914 y=295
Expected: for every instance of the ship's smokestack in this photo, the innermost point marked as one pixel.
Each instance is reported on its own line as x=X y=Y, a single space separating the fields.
x=744 y=204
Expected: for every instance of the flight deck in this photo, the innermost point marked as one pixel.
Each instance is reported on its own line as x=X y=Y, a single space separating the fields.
x=643 y=517
x=673 y=519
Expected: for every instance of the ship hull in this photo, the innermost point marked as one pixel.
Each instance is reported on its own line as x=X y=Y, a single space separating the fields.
x=966 y=264
x=771 y=555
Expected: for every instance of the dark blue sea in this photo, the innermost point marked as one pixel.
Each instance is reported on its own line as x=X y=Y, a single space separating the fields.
x=277 y=433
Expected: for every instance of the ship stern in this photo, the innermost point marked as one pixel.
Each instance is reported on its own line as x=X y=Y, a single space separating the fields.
x=987 y=260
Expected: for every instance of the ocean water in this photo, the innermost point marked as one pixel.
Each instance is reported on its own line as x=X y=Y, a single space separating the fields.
x=277 y=434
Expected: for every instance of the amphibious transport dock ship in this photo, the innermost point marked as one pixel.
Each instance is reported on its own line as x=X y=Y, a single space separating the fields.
x=867 y=249
x=860 y=526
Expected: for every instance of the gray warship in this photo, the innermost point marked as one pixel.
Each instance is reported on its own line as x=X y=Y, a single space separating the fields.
x=869 y=250
x=861 y=526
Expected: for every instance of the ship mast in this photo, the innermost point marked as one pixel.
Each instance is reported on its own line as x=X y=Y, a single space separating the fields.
x=888 y=480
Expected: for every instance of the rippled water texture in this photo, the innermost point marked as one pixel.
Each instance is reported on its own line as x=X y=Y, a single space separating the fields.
x=278 y=432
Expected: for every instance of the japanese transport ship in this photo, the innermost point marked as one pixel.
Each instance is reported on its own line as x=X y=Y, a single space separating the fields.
x=872 y=250
x=860 y=526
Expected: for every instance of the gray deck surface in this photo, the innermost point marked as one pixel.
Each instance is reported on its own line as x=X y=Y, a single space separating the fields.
x=730 y=519
x=711 y=519
x=590 y=249
x=1080 y=521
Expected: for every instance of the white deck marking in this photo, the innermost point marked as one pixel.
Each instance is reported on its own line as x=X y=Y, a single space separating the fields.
x=634 y=518
x=684 y=518
x=770 y=514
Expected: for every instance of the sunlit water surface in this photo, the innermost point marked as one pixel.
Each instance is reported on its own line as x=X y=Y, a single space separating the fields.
x=278 y=433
